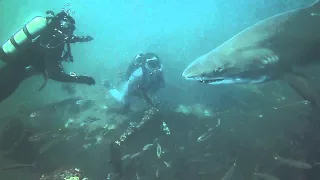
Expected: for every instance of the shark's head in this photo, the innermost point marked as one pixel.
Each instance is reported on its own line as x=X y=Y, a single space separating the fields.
x=214 y=68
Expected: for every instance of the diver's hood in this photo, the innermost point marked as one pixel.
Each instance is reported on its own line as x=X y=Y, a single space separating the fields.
x=66 y=23
x=60 y=29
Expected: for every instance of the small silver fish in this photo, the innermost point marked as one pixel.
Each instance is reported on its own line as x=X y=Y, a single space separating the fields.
x=112 y=176
x=86 y=146
x=168 y=165
x=71 y=135
x=157 y=173
x=136 y=155
x=81 y=102
x=125 y=157
x=133 y=123
x=137 y=176
x=94 y=133
x=266 y=176
x=43 y=135
x=159 y=151
x=147 y=146
x=34 y=114
x=91 y=119
x=205 y=135
x=107 y=131
x=293 y=163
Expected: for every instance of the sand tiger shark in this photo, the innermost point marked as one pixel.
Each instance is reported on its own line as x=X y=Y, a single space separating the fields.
x=272 y=49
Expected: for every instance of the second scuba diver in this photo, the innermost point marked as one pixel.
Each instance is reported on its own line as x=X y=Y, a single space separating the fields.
x=40 y=47
x=144 y=77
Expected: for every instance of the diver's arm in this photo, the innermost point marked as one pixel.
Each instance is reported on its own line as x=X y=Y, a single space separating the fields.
x=136 y=81
x=75 y=39
x=56 y=72
x=131 y=85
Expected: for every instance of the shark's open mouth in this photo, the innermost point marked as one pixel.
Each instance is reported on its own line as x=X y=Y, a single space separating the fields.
x=211 y=80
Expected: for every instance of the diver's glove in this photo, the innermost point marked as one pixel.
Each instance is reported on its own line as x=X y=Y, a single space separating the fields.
x=86 y=80
x=75 y=39
x=86 y=39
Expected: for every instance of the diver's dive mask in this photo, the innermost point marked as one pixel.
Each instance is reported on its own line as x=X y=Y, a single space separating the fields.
x=65 y=24
x=67 y=27
x=153 y=64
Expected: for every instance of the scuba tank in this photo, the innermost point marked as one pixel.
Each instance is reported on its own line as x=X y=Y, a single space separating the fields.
x=23 y=37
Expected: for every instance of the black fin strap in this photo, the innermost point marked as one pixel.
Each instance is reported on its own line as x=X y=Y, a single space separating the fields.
x=26 y=31
x=14 y=43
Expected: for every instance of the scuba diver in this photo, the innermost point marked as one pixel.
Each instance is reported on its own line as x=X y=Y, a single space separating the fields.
x=144 y=77
x=40 y=47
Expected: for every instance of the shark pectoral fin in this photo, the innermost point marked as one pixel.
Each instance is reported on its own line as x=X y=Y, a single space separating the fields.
x=300 y=84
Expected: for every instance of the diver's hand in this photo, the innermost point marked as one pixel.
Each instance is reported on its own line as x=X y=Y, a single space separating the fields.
x=87 y=38
x=75 y=39
x=86 y=80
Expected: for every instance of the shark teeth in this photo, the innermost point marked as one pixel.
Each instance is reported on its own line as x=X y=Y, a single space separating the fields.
x=211 y=80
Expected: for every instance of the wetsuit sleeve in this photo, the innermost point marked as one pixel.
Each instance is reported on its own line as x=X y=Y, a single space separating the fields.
x=56 y=72
x=135 y=80
x=132 y=85
x=75 y=39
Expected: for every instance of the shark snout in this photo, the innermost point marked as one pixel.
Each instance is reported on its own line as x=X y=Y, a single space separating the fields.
x=187 y=74
x=184 y=74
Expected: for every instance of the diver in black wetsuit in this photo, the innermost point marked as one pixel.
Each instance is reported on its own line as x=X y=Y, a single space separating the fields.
x=44 y=55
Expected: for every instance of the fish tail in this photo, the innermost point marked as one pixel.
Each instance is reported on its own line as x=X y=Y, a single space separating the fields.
x=45 y=77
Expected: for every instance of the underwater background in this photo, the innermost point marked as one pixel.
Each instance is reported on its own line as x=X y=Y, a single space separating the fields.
x=254 y=118
x=178 y=31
